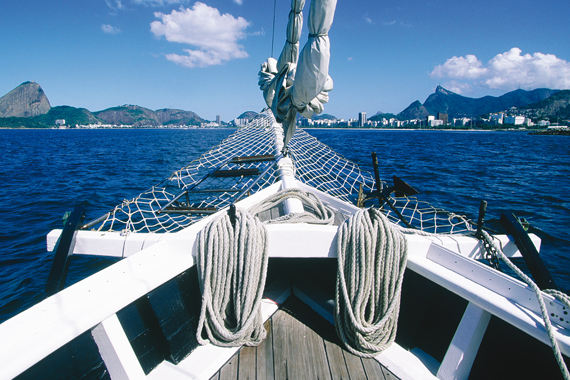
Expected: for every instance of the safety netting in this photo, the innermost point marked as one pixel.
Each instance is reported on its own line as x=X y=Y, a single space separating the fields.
x=243 y=164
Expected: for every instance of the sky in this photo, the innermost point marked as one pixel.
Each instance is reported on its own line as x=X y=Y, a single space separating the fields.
x=204 y=56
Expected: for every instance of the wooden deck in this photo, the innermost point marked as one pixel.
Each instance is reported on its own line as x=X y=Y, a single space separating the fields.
x=300 y=344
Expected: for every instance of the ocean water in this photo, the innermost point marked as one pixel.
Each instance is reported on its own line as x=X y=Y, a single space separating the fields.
x=44 y=173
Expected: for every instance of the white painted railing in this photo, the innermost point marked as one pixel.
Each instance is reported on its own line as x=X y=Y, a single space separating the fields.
x=92 y=304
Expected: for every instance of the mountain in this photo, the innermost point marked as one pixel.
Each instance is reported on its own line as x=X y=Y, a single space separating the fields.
x=324 y=116
x=27 y=106
x=168 y=116
x=558 y=105
x=249 y=115
x=140 y=116
x=456 y=105
x=416 y=110
x=26 y=100
x=378 y=116
x=71 y=115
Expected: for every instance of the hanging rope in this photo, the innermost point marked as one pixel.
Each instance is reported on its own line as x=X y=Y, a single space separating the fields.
x=232 y=268
x=555 y=293
x=371 y=262
x=273 y=34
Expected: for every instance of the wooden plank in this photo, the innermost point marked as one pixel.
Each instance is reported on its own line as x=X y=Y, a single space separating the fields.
x=373 y=369
x=354 y=366
x=189 y=210
x=230 y=370
x=236 y=172
x=265 y=368
x=335 y=356
x=280 y=344
x=316 y=355
x=336 y=361
x=243 y=159
x=247 y=363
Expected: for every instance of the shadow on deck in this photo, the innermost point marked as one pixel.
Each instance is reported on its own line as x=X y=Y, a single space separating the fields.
x=300 y=344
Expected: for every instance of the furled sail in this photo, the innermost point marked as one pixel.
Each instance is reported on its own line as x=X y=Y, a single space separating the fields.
x=290 y=87
x=290 y=51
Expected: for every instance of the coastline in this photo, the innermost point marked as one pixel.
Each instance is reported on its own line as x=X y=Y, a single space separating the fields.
x=559 y=132
x=554 y=132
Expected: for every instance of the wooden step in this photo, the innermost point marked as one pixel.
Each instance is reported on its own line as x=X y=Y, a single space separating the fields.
x=244 y=159
x=236 y=172
x=190 y=210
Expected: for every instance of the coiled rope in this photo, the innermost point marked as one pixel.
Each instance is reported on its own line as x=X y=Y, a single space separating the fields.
x=564 y=298
x=232 y=269
x=321 y=214
x=372 y=258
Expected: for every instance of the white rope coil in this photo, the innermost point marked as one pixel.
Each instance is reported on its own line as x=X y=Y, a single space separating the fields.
x=322 y=214
x=372 y=258
x=232 y=269
x=555 y=293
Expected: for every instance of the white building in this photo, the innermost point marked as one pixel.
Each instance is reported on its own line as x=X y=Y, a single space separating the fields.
x=240 y=122
x=516 y=120
x=497 y=119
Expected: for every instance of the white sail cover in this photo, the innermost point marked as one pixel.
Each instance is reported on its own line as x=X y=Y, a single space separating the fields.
x=312 y=76
x=290 y=88
x=290 y=51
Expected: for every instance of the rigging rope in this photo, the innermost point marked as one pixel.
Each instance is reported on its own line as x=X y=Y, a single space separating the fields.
x=565 y=299
x=273 y=34
x=372 y=258
x=232 y=268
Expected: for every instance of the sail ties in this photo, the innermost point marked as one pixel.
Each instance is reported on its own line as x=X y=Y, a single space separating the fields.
x=372 y=258
x=318 y=35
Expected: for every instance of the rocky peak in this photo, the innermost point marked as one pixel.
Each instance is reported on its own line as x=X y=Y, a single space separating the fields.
x=26 y=100
x=441 y=90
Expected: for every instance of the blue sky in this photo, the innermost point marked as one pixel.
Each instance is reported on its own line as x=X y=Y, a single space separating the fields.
x=205 y=56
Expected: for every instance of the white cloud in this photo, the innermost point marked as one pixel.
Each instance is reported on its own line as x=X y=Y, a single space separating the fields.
x=507 y=71
x=397 y=23
x=115 y=5
x=238 y=2
x=106 y=28
x=215 y=35
x=368 y=20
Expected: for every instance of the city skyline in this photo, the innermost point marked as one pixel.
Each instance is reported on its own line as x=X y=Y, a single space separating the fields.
x=107 y=53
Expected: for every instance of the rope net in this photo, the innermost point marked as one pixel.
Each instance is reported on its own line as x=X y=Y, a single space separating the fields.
x=244 y=163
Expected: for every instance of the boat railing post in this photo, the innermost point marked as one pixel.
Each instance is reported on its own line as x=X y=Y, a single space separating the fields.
x=288 y=181
x=286 y=172
x=63 y=251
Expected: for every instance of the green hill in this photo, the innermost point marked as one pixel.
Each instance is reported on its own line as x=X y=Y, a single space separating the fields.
x=556 y=106
x=71 y=115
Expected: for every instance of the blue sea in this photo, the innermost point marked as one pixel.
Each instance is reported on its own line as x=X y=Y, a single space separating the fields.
x=44 y=173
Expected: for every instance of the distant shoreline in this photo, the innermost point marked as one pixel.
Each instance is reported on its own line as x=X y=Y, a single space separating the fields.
x=553 y=132
x=533 y=131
